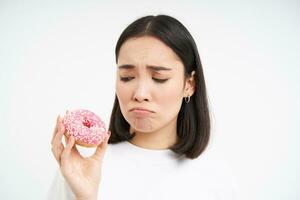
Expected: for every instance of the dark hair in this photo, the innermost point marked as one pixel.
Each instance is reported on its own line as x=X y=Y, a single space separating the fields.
x=193 y=122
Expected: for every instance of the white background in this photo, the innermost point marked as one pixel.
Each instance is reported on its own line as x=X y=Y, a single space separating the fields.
x=59 y=55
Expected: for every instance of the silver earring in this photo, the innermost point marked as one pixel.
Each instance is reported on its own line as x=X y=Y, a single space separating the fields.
x=187 y=99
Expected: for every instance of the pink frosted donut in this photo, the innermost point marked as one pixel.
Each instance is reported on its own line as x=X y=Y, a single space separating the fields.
x=86 y=127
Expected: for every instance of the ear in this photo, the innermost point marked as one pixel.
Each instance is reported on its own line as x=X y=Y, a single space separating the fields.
x=190 y=85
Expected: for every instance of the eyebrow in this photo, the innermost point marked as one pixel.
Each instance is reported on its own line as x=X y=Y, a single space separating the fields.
x=155 y=68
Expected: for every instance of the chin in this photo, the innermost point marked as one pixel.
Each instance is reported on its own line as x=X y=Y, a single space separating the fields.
x=141 y=130
x=144 y=125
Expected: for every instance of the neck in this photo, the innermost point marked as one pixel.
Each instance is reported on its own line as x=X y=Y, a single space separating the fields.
x=163 y=138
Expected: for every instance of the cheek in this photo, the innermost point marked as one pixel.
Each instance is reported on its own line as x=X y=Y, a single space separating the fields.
x=123 y=93
x=170 y=97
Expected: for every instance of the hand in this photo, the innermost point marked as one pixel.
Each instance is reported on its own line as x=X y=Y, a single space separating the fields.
x=82 y=174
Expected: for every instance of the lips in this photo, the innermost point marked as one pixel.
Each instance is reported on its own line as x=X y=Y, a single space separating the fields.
x=141 y=112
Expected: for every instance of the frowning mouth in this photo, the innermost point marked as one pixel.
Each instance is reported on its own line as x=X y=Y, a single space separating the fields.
x=141 y=110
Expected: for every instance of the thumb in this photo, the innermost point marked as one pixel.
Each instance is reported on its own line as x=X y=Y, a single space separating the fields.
x=102 y=147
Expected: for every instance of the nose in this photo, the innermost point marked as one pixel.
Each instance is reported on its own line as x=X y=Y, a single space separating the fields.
x=142 y=92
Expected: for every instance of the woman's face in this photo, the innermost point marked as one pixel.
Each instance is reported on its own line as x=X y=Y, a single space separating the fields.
x=149 y=84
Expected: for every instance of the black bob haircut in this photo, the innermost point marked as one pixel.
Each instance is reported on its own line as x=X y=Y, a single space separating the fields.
x=193 y=122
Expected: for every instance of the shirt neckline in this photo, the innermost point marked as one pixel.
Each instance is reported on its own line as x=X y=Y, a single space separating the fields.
x=150 y=155
x=139 y=148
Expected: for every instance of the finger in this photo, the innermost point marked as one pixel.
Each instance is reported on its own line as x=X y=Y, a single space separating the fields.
x=70 y=144
x=74 y=148
x=57 y=140
x=101 y=148
x=57 y=153
x=55 y=129
x=57 y=146
x=67 y=151
x=66 y=138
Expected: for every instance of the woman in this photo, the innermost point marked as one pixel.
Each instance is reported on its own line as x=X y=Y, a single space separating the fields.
x=160 y=125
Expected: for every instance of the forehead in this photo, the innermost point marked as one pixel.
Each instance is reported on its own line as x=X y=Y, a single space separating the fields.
x=147 y=50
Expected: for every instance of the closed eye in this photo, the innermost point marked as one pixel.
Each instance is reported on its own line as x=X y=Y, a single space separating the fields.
x=126 y=79
x=129 y=78
x=158 y=80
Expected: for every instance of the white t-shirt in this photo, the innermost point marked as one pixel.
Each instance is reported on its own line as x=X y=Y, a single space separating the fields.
x=130 y=172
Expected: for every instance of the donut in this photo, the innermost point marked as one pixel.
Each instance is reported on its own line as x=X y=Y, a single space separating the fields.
x=85 y=126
